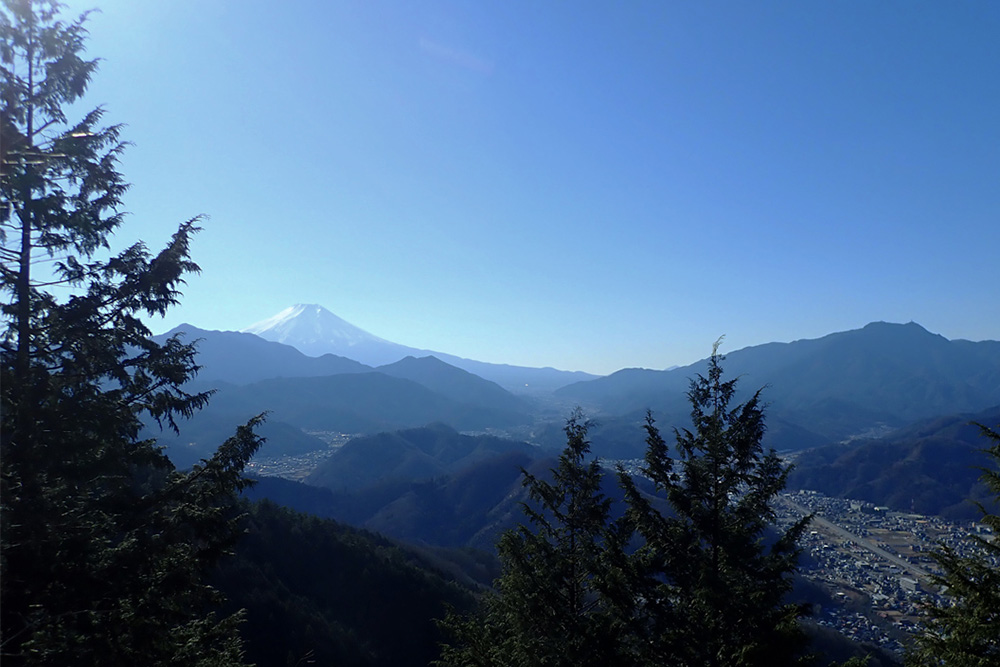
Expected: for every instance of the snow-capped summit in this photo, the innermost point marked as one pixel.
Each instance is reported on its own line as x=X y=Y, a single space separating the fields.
x=314 y=330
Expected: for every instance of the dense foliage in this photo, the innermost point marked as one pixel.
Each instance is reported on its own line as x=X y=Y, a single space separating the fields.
x=693 y=584
x=549 y=606
x=322 y=593
x=965 y=630
x=104 y=544
x=706 y=589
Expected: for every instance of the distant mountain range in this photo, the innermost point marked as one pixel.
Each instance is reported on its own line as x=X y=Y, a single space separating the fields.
x=327 y=393
x=241 y=358
x=930 y=467
x=314 y=330
x=880 y=413
x=855 y=385
x=882 y=376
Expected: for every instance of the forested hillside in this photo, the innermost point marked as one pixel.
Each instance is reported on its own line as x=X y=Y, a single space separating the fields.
x=931 y=467
x=317 y=592
x=427 y=534
x=106 y=545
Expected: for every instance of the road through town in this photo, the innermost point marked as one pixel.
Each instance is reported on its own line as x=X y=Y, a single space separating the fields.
x=865 y=543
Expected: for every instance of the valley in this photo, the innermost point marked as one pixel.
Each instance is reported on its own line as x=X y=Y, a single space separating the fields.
x=623 y=393
x=298 y=467
x=874 y=562
x=426 y=452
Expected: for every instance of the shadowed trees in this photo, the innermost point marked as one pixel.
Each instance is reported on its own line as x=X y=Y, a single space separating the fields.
x=964 y=630
x=686 y=577
x=548 y=607
x=707 y=587
x=104 y=543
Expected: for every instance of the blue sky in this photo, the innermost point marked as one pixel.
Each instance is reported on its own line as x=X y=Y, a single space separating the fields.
x=589 y=185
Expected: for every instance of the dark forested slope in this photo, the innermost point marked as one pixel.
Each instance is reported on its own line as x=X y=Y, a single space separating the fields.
x=317 y=592
x=931 y=467
x=410 y=454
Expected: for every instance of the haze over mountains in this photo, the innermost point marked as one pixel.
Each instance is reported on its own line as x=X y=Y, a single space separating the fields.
x=882 y=376
x=330 y=394
x=431 y=485
x=930 y=467
x=240 y=358
x=314 y=330
x=850 y=386
x=419 y=469
x=434 y=451
x=847 y=384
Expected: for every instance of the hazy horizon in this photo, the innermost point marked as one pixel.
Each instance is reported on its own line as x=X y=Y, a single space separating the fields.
x=588 y=187
x=724 y=347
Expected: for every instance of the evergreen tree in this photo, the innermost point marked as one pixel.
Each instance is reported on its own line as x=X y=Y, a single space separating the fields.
x=964 y=631
x=549 y=605
x=104 y=544
x=705 y=589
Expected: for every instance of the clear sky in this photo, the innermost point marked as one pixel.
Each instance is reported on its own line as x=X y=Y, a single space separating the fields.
x=586 y=185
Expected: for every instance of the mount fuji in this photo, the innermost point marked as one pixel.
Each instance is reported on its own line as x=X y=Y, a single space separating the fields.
x=315 y=331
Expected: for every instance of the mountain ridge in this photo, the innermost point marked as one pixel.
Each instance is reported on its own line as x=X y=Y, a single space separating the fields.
x=931 y=467
x=834 y=386
x=310 y=328
x=314 y=330
x=241 y=358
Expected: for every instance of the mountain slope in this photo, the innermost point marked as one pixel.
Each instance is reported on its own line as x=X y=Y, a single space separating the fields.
x=835 y=386
x=326 y=393
x=314 y=330
x=356 y=403
x=931 y=467
x=317 y=592
x=454 y=383
x=200 y=435
x=411 y=454
x=430 y=485
x=242 y=358
x=467 y=508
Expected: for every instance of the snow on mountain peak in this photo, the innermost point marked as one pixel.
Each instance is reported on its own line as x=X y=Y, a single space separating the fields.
x=311 y=326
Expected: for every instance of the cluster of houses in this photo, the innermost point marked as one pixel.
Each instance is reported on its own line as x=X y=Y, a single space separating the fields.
x=296 y=467
x=876 y=562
